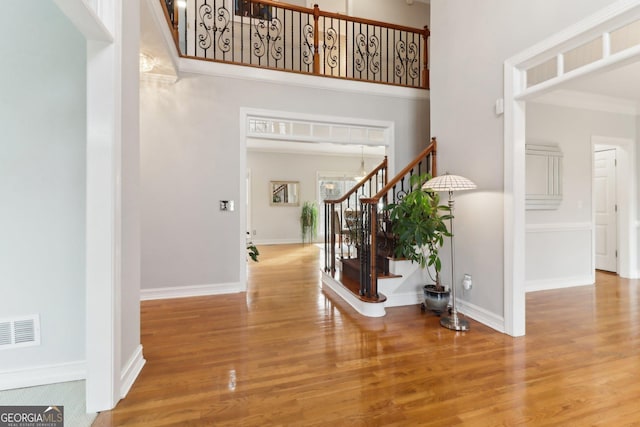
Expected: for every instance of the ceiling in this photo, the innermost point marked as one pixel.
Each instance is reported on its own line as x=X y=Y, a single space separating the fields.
x=620 y=83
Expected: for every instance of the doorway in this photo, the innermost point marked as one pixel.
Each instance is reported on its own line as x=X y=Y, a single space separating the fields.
x=605 y=209
x=621 y=205
x=293 y=146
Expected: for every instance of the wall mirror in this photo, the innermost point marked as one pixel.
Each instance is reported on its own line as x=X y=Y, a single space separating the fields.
x=284 y=193
x=543 y=176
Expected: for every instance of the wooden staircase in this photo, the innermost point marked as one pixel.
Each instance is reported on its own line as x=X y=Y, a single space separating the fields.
x=373 y=278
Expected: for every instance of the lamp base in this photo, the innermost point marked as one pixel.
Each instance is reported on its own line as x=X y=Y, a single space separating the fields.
x=454 y=323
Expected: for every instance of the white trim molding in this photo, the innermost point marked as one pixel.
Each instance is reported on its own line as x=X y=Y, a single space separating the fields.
x=42 y=375
x=86 y=20
x=277 y=241
x=368 y=309
x=481 y=315
x=559 y=283
x=130 y=371
x=589 y=101
x=189 y=291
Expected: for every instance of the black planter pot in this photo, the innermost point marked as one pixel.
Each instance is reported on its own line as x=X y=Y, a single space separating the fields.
x=434 y=300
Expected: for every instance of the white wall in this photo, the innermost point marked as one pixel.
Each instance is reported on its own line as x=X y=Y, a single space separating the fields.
x=281 y=224
x=190 y=160
x=469 y=44
x=392 y=11
x=559 y=242
x=42 y=185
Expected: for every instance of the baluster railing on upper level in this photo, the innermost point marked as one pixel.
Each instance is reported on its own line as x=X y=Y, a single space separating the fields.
x=370 y=232
x=276 y=35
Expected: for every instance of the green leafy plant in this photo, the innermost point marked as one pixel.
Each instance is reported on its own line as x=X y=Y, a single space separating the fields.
x=252 y=251
x=309 y=221
x=418 y=222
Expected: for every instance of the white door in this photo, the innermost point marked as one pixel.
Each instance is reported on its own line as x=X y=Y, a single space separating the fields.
x=605 y=210
x=248 y=202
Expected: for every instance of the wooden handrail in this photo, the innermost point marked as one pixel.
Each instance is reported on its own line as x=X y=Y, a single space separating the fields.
x=431 y=148
x=362 y=182
x=172 y=26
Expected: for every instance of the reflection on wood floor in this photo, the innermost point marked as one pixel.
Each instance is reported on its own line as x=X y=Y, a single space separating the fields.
x=286 y=354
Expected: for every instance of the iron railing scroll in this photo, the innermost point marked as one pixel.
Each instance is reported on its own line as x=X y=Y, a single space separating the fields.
x=285 y=37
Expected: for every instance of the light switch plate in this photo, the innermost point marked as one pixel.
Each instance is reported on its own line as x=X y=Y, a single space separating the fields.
x=226 y=205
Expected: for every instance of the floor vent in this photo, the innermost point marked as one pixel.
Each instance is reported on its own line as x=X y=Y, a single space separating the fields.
x=19 y=332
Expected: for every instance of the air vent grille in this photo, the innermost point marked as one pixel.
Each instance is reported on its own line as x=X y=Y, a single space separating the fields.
x=5 y=333
x=19 y=332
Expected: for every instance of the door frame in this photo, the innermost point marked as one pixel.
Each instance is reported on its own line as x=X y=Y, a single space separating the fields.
x=247 y=113
x=516 y=93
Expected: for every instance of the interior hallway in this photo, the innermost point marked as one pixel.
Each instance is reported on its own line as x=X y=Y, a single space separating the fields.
x=285 y=354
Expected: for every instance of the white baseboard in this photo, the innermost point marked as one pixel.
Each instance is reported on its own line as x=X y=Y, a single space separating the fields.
x=130 y=371
x=481 y=315
x=560 y=283
x=189 y=291
x=42 y=375
x=634 y=275
x=367 y=309
x=258 y=242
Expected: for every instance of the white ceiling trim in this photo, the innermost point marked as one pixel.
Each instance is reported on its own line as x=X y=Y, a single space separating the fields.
x=589 y=101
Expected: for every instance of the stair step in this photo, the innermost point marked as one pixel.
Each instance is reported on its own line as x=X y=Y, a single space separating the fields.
x=354 y=287
x=351 y=269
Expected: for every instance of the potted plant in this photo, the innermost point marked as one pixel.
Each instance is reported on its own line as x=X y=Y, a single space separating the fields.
x=252 y=251
x=418 y=223
x=309 y=221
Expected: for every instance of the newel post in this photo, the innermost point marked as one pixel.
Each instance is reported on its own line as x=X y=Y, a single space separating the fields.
x=434 y=162
x=425 y=60
x=176 y=15
x=373 y=228
x=316 y=39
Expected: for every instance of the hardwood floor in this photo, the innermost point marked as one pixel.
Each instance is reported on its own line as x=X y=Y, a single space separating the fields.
x=285 y=354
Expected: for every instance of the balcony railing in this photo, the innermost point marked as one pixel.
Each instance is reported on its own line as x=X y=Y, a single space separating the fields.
x=285 y=37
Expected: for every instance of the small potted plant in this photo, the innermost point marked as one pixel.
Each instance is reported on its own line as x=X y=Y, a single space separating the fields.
x=309 y=221
x=418 y=223
x=252 y=251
